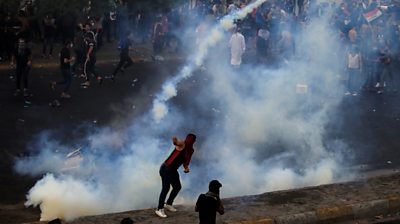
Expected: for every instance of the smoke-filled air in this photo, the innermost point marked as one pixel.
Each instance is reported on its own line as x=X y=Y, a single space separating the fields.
x=259 y=128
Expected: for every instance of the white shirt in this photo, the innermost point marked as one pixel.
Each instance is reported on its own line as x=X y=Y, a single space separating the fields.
x=353 y=61
x=238 y=46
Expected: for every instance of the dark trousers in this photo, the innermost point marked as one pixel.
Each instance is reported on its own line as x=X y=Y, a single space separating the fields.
x=79 y=61
x=169 y=177
x=89 y=68
x=67 y=78
x=158 y=45
x=48 y=42
x=22 y=74
x=124 y=61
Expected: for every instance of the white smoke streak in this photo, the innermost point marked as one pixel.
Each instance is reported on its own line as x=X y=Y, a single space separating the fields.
x=216 y=35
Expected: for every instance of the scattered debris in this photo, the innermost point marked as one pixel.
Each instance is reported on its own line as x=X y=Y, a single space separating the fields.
x=301 y=88
x=55 y=103
x=27 y=103
x=216 y=110
x=379 y=217
x=73 y=160
x=157 y=58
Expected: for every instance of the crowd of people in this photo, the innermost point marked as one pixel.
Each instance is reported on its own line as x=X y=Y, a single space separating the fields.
x=368 y=32
x=367 y=29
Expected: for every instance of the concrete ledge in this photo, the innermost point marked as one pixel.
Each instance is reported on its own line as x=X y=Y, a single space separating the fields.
x=300 y=218
x=331 y=214
x=362 y=210
x=260 y=221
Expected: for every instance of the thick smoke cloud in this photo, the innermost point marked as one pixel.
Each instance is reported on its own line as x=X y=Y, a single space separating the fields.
x=252 y=125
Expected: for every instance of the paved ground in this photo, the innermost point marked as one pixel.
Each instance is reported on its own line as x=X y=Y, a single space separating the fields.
x=21 y=120
x=369 y=122
x=361 y=201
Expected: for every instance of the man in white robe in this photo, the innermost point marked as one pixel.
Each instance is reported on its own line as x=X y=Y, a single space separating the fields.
x=238 y=46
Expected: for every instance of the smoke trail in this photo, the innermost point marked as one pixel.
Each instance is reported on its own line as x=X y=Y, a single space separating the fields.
x=255 y=133
x=160 y=109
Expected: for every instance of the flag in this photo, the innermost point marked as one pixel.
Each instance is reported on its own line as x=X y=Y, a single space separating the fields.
x=372 y=15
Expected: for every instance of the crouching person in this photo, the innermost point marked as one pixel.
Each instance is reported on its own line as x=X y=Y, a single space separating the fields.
x=209 y=204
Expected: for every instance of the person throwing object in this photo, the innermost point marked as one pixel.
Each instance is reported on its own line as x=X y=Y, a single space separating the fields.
x=181 y=155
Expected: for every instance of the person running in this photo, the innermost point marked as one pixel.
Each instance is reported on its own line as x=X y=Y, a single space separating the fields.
x=65 y=66
x=209 y=204
x=181 y=154
x=124 y=59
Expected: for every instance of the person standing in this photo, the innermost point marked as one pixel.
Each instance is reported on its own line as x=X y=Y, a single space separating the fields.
x=385 y=75
x=238 y=46
x=158 y=37
x=209 y=204
x=181 y=155
x=89 y=66
x=65 y=66
x=23 y=61
x=49 y=31
x=79 y=49
x=353 y=70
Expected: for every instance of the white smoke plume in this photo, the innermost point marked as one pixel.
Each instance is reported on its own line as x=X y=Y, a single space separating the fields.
x=256 y=133
x=216 y=34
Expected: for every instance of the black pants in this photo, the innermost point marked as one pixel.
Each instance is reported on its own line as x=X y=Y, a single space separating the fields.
x=48 y=42
x=66 y=73
x=169 y=177
x=79 y=61
x=22 y=73
x=124 y=61
x=89 y=68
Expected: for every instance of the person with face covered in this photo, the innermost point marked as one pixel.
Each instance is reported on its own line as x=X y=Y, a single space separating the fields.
x=209 y=204
x=22 y=58
x=181 y=155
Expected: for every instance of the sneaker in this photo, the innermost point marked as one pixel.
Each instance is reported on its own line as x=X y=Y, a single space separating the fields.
x=17 y=92
x=100 y=80
x=87 y=83
x=379 y=92
x=26 y=93
x=347 y=93
x=161 y=213
x=377 y=85
x=55 y=103
x=354 y=94
x=170 y=208
x=53 y=85
x=65 y=95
